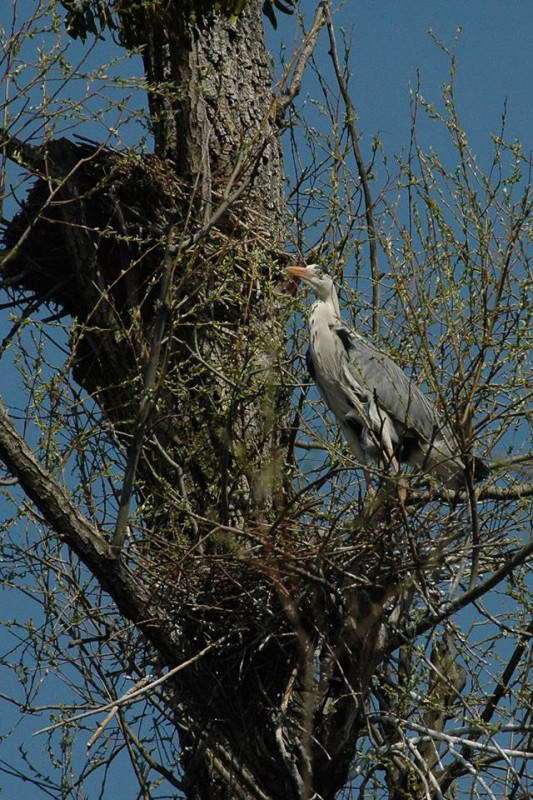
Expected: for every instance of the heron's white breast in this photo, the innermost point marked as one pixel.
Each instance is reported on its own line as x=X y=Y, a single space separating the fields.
x=326 y=347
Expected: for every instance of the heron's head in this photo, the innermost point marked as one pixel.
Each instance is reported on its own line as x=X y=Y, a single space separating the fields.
x=314 y=277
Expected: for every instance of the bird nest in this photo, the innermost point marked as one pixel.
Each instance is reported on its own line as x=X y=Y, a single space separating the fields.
x=264 y=581
x=96 y=225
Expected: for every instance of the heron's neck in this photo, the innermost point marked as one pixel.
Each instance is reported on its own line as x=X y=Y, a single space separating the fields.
x=331 y=305
x=335 y=303
x=325 y=313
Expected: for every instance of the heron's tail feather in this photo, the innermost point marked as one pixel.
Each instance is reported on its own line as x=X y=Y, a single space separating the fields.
x=439 y=460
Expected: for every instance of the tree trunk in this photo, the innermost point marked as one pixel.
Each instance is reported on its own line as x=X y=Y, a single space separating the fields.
x=168 y=265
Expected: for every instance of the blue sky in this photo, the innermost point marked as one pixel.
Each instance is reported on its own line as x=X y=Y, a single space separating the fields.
x=390 y=44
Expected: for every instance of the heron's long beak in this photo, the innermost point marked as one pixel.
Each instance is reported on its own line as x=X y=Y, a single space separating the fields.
x=299 y=272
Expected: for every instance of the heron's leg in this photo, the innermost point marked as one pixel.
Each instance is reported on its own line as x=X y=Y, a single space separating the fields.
x=401 y=484
x=395 y=466
x=369 y=488
x=402 y=490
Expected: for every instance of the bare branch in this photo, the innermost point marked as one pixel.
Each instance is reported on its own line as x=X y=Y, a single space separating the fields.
x=299 y=60
x=484 y=494
x=147 y=401
x=50 y=498
x=430 y=620
x=134 y=695
x=363 y=175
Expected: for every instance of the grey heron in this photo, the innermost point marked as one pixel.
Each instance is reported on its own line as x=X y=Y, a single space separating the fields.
x=382 y=413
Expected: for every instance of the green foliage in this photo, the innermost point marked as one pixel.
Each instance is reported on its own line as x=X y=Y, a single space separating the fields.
x=85 y=17
x=94 y=17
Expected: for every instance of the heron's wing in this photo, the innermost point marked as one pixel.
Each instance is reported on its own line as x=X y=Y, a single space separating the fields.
x=388 y=384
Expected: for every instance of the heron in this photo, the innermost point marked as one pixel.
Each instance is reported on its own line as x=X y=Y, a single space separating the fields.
x=384 y=416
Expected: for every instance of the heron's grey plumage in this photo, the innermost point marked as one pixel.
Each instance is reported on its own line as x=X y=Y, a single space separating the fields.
x=382 y=413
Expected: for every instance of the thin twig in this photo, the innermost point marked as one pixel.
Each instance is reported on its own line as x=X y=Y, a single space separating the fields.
x=426 y=733
x=503 y=682
x=127 y=698
x=301 y=445
x=299 y=61
x=474 y=519
x=50 y=497
x=363 y=175
x=430 y=620
x=147 y=402
x=146 y=755
x=107 y=719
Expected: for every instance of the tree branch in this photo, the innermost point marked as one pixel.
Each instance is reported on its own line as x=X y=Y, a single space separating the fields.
x=453 y=770
x=430 y=620
x=299 y=61
x=135 y=694
x=452 y=496
x=147 y=402
x=50 y=498
x=501 y=688
x=129 y=593
x=363 y=174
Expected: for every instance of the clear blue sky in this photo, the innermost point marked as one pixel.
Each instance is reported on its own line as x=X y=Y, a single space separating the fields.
x=389 y=44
